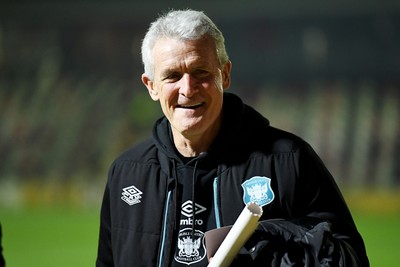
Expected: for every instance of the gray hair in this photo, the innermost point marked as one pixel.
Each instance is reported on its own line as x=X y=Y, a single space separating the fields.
x=181 y=25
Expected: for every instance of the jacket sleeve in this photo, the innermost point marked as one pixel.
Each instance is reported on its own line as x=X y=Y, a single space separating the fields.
x=104 y=253
x=318 y=229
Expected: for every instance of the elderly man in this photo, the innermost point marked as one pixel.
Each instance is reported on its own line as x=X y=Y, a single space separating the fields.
x=210 y=155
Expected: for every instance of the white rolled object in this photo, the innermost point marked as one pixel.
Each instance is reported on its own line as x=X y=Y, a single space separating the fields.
x=240 y=232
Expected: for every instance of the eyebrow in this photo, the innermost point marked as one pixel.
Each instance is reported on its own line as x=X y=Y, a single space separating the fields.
x=171 y=70
x=167 y=73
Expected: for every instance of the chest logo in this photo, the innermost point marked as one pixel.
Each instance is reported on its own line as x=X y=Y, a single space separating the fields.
x=188 y=208
x=131 y=195
x=191 y=249
x=258 y=190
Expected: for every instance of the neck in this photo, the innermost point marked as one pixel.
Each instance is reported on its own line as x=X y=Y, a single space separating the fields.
x=192 y=145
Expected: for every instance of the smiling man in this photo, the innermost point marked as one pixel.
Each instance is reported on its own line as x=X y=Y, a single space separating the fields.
x=209 y=156
x=189 y=82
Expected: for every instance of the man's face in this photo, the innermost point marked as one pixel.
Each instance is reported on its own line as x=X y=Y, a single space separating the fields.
x=189 y=83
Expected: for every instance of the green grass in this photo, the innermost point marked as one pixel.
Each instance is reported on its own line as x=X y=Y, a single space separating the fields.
x=50 y=237
x=68 y=237
x=381 y=234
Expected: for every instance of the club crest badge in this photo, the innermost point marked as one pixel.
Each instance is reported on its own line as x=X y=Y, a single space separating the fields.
x=258 y=190
x=191 y=248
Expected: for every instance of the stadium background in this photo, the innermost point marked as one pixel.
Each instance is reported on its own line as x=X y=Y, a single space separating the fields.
x=71 y=100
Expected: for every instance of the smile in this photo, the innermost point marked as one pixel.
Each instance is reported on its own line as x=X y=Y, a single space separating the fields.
x=191 y=106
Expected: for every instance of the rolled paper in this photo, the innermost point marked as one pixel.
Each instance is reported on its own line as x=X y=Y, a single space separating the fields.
x=240 y=232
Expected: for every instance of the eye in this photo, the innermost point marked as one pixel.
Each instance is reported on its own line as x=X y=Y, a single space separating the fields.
x=201 y=73
x=172 y=76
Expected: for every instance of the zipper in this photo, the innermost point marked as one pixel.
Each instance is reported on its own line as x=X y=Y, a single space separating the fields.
x=216 y=203
x=164 y=230
x=194 y=179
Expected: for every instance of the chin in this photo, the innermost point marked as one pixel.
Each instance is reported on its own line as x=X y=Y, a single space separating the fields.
x=190 y=130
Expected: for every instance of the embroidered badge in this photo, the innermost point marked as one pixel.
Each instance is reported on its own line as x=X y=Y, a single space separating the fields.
x=191 y=248
x=131 y=195
x=258 y=190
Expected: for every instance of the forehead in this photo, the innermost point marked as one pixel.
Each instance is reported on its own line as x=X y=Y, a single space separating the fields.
x=169 y=53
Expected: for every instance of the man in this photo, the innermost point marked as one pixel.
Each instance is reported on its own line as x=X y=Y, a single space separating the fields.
x=208 y=157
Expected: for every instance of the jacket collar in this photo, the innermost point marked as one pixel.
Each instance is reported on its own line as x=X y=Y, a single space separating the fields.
x=239 y=122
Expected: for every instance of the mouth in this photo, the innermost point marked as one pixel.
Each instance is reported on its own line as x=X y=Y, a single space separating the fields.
x=191 y=106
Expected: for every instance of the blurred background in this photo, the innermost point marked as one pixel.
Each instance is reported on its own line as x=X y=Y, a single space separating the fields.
x=71 y=100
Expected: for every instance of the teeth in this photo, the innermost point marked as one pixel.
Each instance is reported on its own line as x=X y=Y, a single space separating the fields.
x=191 y=106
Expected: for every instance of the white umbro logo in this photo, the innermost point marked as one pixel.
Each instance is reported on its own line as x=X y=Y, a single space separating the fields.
x=187 y=208
x=131 y=195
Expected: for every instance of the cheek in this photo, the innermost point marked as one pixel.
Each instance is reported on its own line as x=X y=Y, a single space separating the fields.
x=218 y=82
x=168 y=95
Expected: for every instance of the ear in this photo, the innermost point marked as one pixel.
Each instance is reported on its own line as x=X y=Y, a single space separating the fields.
x=226 y=75
x=150 y=87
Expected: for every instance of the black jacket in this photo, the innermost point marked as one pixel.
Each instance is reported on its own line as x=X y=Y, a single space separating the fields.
x=305 y=222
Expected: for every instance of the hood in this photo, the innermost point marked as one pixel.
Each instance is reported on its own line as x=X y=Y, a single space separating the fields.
x=240 y=123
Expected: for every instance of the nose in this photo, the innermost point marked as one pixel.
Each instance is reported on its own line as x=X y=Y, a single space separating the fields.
x=187 y=85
